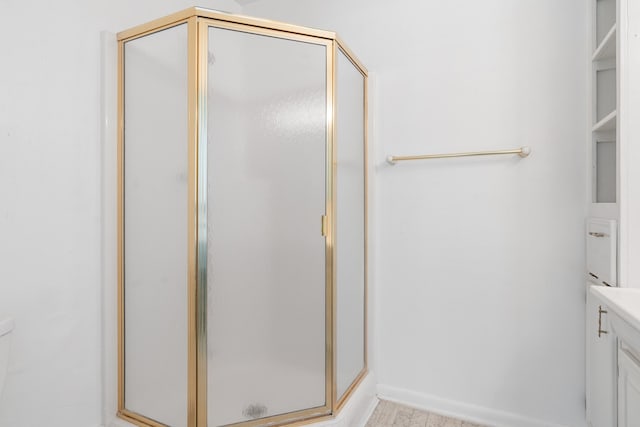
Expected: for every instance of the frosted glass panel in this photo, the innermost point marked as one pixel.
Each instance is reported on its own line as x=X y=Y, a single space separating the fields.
x=266 y=255
x=605 y=172
x=350 y=238
x=155 y=226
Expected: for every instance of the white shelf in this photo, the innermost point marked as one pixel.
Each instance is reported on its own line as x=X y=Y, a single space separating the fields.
x=607 y=123
x=607 y=48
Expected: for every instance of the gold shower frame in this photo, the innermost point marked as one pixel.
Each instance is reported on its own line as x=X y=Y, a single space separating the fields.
x=198 y=21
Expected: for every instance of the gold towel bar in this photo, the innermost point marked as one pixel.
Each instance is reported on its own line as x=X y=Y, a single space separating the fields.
x=522 y=152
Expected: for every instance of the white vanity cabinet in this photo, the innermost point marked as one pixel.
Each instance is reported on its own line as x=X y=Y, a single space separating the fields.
x=617 y=311
x=601 y=366
x=628 y=388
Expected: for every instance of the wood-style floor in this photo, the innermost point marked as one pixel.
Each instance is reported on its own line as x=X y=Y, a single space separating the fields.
x=388 y=414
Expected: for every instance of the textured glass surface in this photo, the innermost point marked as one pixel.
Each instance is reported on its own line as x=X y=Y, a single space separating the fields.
x=155 y=219
x=350 y=239
x=266 y=195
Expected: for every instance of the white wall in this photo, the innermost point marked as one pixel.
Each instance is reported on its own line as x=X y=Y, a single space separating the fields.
x=480 y=261
x=50 y=201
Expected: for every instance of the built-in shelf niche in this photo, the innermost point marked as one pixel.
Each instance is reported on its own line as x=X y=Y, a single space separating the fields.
x=605 y=18
x=604 y=171
x=606 y=49
x=604 y=104
x=605 y=93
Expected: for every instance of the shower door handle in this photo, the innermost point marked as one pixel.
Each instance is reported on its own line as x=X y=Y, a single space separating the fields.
x=323 y=226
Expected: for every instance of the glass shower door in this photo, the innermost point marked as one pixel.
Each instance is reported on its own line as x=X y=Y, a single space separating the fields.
x=350 y=225
x=155 y=228
x=266 y=128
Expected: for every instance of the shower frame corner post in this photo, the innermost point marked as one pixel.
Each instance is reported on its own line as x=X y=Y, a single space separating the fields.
x=200 y=65
x=120 y=229
x=198 y=22
x=197 y=229
x=331 y=236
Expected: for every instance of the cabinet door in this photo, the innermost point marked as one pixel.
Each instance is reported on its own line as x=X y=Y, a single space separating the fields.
x=601 y=366
x=628 y=390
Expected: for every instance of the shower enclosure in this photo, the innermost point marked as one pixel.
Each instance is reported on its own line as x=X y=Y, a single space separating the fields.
x=242 y=222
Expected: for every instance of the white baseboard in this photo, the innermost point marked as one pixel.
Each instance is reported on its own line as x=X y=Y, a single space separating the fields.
x=463 y=411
